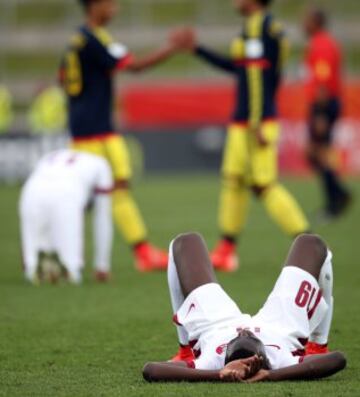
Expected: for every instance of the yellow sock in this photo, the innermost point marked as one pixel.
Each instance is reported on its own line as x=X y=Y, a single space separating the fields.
x=234 y=202
x=284 y=210
x=128 y=218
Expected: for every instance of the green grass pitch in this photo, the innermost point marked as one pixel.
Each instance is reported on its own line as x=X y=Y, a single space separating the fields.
x=93 y=340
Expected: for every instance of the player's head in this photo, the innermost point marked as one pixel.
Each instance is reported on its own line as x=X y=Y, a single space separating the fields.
x=315 y=20
x=245 y=345
x=248 y=7
x=100 y=10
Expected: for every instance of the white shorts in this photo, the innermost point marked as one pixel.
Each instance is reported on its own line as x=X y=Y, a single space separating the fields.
x=51 y=221
x=206 y=309
x=295 y=307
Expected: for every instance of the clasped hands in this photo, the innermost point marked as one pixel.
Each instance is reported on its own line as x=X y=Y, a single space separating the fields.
x=248 y=370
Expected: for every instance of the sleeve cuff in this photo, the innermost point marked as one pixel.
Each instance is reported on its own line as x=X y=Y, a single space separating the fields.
x=123 y=63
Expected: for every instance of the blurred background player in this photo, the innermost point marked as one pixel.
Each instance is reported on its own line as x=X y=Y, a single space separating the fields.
x=257 y=60
x=324 y=64
x=86 y=74
x=52 y=208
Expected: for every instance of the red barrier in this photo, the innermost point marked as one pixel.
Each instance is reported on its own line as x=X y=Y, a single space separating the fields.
x=164 y=104
x=182 y=104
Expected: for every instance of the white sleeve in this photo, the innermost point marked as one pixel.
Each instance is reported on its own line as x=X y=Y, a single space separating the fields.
x=103 y=232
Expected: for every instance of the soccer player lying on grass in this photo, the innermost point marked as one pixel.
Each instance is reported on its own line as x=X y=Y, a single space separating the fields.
x=227 y=345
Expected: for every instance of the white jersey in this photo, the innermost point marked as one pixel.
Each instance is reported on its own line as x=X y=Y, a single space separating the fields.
x=52 y=207
x=293 y=310
x=77 y=173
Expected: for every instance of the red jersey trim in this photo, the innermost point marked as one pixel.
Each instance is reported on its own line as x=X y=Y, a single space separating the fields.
x=260 y=63
x=104 y=191
x=97 y=137
x=125 y=62
x=246 y=123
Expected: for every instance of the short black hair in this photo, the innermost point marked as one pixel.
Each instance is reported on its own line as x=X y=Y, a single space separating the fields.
x=245 y=347
x=86 y=3
x=320 y=17
x=265 y=3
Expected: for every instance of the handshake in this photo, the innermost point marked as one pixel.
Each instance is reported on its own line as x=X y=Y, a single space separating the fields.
x=182 y=39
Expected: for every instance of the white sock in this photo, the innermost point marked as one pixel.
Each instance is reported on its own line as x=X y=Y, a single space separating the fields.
x=176 y=295
x=321 y=334
x=75 y=277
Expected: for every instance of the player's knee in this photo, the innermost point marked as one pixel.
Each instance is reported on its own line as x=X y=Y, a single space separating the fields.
x=184 y=239
x=122 y=184
x=313 y=243
x=259 y=190
x=232 y=182
x=185 y=243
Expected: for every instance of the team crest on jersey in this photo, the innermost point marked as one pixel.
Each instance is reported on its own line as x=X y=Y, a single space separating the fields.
x=221 y=349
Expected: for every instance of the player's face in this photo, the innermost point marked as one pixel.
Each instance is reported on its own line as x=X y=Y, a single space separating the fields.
x=105 y=10
x=244 y=7
x=309 y=24
x=247 y=342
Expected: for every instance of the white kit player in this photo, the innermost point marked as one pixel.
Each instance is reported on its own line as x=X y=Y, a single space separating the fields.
x=52 y=209
x=227 y=345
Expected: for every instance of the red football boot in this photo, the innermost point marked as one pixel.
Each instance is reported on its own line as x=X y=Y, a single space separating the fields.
x=224 y=257
x=315 y=348
x=149 y=258
x=102 y=277
x=185 y=353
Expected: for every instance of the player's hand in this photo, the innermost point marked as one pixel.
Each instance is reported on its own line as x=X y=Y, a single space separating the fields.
x=261 y=376
x=240 y=370
x=183 y=39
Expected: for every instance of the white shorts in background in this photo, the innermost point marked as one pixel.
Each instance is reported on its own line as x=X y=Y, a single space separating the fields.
x=295 y=307
x=206 y=309
x=51 y=221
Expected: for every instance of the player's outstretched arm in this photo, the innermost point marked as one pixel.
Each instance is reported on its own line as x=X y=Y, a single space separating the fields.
x=215 y=59
x=236 y=371
x=173 y=372
x=139 y=64
x=185 y=39
x=313 y=367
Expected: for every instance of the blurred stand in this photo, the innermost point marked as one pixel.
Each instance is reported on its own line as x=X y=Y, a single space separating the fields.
x=33 y=34
x=172 y=128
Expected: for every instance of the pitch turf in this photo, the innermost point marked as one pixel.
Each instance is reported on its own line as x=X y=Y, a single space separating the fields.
x=93 y=340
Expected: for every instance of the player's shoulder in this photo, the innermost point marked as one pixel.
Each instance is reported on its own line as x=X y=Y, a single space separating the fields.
x=274 y=27
x=79 y=38
x=102 y=35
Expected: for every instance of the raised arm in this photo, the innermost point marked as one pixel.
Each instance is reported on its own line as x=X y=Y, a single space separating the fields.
x=313 y=367
x=186 y=39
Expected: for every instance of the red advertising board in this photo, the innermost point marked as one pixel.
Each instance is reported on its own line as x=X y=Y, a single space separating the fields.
x=187 y=104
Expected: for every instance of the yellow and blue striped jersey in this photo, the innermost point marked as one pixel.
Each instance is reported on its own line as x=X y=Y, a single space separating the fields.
x=259 y=54
x=257 y=59
x=87 y=77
